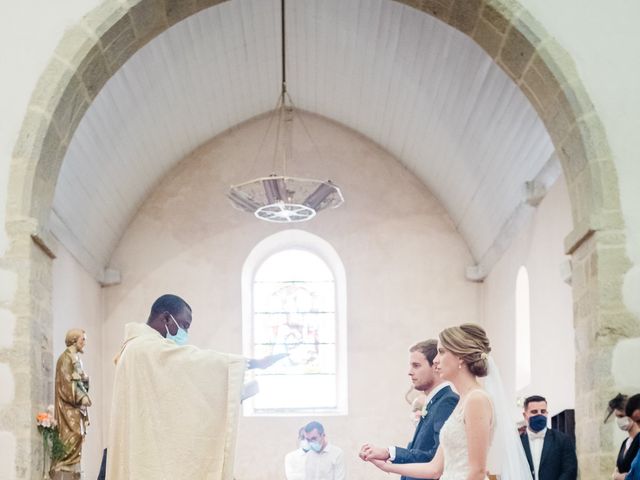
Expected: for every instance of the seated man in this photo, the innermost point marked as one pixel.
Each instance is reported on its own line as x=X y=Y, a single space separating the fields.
x=324 y=461
x=295 y=461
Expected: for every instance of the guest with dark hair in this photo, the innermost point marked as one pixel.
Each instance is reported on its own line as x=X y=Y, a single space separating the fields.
x=324 y=461
x=629 y=447
x=550 y=453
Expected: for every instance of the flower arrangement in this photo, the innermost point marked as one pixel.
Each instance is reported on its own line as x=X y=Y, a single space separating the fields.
x=48 y=427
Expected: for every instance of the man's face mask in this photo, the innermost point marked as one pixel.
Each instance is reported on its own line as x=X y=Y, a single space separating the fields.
x=315 y=446
x=181 y=336
x=537 y=422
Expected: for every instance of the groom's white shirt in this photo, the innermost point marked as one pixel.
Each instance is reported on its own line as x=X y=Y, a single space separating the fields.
x=432 y=393
x=536 y=442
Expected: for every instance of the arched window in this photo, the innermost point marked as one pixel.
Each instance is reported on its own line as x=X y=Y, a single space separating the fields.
x=523 y=330
x=293 y=302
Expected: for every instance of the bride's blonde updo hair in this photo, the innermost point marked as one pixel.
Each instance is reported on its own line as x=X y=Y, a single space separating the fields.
x=469 y=342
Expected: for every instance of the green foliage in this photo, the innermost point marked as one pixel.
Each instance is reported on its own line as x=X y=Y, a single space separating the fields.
x=54 y=445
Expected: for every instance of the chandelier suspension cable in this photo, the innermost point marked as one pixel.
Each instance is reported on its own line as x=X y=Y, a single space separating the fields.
x=273 y=114
x=279 y=109
x=304 y=126
x=284 y=50
x=280 y=104
x=279 y=198
x=284 y=93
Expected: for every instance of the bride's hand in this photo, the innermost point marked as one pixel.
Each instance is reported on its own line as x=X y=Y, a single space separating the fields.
x=381 y=464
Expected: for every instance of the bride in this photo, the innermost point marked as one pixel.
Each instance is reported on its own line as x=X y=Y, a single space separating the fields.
x=481 y=414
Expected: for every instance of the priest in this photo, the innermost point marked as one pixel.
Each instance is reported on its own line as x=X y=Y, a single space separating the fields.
x=175 y=407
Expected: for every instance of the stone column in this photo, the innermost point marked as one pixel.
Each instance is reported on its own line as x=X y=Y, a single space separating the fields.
x=29 y=353
x=600 y=319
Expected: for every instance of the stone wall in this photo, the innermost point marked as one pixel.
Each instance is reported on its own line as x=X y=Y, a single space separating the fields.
x=601 y=320
x=28 y=352
x=88 y=53
x=537 y=247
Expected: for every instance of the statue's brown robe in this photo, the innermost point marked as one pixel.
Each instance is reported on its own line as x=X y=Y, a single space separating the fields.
x=68 y=414
x=174 y=410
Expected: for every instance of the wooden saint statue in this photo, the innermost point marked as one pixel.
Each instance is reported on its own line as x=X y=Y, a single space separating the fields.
x=71 y=404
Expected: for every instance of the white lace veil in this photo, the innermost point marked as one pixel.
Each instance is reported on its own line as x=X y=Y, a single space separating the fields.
x=506 y=442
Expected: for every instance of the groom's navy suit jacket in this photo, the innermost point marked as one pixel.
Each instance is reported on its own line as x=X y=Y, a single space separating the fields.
x=427 y=435
x=558 y=458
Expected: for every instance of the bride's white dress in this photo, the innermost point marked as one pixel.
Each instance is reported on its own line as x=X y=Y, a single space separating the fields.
x=453 y=440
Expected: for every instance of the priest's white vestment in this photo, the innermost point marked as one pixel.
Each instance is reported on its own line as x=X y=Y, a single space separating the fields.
x=174 y=410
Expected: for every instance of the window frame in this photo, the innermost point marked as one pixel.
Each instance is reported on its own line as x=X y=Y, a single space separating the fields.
x=301 y=240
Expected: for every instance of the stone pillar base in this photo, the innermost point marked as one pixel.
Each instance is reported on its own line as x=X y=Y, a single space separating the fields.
x=62 y=475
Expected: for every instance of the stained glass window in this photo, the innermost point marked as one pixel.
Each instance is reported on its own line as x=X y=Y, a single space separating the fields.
x=294 y=311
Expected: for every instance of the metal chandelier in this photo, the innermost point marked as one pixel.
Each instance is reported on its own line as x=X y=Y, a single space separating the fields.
x=281 y=198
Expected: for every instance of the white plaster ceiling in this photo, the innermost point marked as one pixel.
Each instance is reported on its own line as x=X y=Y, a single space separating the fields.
x=409 y=82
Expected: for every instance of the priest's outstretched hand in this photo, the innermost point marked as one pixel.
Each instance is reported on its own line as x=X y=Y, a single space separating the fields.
x=267 y=361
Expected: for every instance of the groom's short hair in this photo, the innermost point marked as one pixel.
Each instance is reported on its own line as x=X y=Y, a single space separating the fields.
x=533 y=398
x=429 y=348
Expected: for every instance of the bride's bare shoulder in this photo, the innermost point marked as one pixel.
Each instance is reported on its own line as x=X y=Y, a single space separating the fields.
x=477 y=401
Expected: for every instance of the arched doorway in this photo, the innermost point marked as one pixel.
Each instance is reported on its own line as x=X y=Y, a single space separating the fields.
x=91 y=52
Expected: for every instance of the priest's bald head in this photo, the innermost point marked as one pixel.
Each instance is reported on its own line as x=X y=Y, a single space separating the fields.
x=168 y=314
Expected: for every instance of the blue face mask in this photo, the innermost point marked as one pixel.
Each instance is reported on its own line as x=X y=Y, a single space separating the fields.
x=315 y=446
x=181 y=336
x=537 y=422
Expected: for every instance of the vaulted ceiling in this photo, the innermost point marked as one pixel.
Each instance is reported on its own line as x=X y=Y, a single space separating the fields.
x=412 y=84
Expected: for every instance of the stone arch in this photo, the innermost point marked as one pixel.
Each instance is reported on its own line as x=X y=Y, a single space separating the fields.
x=94 y=49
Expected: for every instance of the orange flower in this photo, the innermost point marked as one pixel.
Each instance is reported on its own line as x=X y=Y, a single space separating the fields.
x=42 y=416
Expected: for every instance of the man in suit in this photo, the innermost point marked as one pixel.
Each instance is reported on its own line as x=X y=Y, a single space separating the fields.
x=551 y=453
x=440 y=402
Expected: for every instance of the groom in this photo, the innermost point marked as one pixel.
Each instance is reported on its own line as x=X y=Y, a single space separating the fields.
x=440 y=403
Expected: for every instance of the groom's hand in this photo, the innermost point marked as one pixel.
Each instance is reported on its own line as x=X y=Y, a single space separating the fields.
x=371 y=452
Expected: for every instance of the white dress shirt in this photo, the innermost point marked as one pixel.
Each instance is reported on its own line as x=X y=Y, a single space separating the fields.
x=325 y=465
x=294 y=464
x=536 y=442
x=432 y=393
